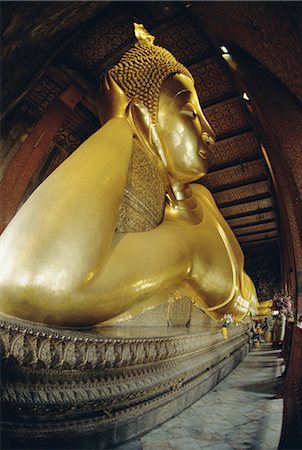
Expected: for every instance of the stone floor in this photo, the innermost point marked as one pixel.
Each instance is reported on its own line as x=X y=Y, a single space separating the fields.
x=239 y=413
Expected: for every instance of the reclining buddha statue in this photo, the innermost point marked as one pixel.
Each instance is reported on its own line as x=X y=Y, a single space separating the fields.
x=119 y=227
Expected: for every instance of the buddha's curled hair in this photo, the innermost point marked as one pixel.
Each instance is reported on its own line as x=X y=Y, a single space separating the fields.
x=142 y=71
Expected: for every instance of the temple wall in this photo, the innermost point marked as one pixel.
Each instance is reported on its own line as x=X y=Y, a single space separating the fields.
x=18 y=124
x=280 y=131
x=264 y=269
x=270 y=33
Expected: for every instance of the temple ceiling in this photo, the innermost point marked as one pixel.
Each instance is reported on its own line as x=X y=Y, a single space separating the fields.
x=48 y=46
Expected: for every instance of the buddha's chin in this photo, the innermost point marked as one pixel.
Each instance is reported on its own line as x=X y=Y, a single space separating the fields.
x=194 y=177
x=192 y=173
x=201 y=172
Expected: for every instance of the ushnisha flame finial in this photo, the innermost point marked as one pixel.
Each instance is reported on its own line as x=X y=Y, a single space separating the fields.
x=142 y=35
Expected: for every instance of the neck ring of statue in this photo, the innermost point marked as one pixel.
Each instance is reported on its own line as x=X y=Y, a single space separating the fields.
x=185 y=202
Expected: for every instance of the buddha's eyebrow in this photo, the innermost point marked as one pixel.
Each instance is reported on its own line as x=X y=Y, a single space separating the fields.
x=183 y=93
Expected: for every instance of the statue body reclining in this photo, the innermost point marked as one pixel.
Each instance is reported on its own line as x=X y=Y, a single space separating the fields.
x=66 y=261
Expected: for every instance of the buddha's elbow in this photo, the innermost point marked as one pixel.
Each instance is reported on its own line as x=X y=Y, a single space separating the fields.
x=32 y=298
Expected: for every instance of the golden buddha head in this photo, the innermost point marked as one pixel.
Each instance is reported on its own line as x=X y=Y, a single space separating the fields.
x=183 y=129
x=156 y=94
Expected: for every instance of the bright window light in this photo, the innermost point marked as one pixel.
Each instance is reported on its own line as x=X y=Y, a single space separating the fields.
x=224 y=49
x=245 y=96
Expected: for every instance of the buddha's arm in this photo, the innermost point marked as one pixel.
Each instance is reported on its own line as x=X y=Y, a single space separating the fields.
x=65 y=229
x=230 y=287
x=140 y=265
x=205 y=195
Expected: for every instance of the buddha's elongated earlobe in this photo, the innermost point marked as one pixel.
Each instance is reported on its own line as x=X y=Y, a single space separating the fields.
x=154 y=137
x=140 y=120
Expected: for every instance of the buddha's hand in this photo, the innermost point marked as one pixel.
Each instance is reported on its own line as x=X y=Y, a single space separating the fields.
x=112 y=102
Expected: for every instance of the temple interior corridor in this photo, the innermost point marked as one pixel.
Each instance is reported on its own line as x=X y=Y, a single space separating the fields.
x=241 y=412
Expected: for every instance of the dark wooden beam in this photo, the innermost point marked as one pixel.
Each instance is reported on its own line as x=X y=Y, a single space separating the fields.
x=239 y=184
x=233 y=133
x=259 y=246
x=251 y=224
x=223 y=98
x=259 y=241
x=200 y=58
x=243 y=200
x=234 y=163
x=253 y=212
x=252 y=233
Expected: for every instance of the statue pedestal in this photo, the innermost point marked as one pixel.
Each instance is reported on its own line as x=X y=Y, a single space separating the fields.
x=98 y=388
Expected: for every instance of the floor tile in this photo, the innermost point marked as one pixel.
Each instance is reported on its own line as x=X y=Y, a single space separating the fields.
x=184 y=444
x=240 y=413
x=163 y=445
x=133 y=445
x=257 y=414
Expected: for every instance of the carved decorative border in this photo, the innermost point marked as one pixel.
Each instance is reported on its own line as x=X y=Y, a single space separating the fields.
x=58 y=382
x=52 y=349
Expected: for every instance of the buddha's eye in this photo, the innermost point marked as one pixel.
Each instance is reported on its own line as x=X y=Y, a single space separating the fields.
x=189 y=110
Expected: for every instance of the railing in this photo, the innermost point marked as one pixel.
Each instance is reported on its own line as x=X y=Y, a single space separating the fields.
x=291 y=434
x=287 y=343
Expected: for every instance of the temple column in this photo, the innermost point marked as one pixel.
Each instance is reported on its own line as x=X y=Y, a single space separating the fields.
x=31 y=154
